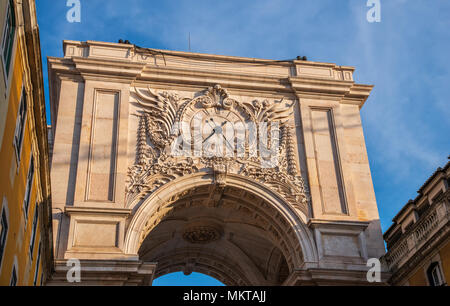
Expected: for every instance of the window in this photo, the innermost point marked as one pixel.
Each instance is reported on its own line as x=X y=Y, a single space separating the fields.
x=423 y=209
x=13 y=281
x=26 y=200
x=3 y=233
x=395 y=237
x=8 y=37
x=435 y=275
x=20 y=125
x=33 y=232
x=408 y=227
x=38 y=261
x=436 y=197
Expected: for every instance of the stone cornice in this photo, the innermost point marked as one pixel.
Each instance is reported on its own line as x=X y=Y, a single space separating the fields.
x=75 y=67
x=106 y=272
x=361 y=225
x=346 y=92
x=210 y=78
x=132 y=50
x=318 y=276
x=95 y=210
x=61 y=65
x=302 y=84
x=125 y=62
x=108 y=68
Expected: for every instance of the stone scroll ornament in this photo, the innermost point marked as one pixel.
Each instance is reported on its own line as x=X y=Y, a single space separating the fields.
x=160 y=116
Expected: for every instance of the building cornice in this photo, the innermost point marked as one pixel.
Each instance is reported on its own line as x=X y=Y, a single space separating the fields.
x=128 y=63
x=439 y=175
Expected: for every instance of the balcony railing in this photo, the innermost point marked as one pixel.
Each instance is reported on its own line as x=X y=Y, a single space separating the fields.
x=436 y=218
x=426 y=227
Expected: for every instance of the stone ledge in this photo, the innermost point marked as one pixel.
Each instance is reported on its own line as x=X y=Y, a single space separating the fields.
x=332 y=277
x=362 y=225
x=106 y=272
x=96 y=210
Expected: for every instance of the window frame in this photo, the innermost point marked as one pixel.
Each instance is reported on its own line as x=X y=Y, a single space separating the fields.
x=435 y=267
x=6 y=62
x=21 y=123
x=34 y=230
x=4 y=231
x=38 y=262
x=28 y=189
x=14 y=276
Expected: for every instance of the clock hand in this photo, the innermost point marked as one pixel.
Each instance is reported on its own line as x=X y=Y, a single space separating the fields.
x=231 y=147
x=210 y=123
x=212 y=134
x=228 y=143
x=223 y=123
x=214 y=131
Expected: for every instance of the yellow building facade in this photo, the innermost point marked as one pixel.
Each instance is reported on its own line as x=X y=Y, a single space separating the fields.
x=25 y=202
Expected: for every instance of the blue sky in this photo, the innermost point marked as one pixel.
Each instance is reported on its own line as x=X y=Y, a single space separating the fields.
x=179 y=279
x=406 y=119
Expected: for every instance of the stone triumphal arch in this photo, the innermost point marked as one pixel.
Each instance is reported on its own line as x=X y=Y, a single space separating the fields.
x=252 y=171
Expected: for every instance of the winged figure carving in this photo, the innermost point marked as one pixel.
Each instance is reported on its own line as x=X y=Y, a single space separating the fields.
x=160 y=110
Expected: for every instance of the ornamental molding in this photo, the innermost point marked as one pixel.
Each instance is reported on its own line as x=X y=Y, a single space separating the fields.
x=202 y=233
x=160 y=115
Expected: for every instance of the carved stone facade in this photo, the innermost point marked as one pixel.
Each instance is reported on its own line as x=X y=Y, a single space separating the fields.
x=160 y=123
x=252 y=171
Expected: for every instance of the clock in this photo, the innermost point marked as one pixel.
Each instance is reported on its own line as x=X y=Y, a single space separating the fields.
x=211 y=124
x=214 y=132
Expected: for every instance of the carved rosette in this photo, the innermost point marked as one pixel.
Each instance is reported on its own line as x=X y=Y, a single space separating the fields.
x=201 y=234
x=158 y=118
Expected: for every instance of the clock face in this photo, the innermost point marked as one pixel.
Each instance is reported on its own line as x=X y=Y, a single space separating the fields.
x=214 y=132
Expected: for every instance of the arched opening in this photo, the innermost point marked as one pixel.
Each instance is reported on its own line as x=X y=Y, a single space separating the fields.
x=228 y=232
x=180 y=279
x=231 y=235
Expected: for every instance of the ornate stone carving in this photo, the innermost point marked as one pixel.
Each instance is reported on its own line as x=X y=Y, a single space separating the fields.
x=201 y=234
x=160 y=112
x=220 y=174
x=146 y=178
x=292 y=187
x=159 y=117
x=216 y=97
